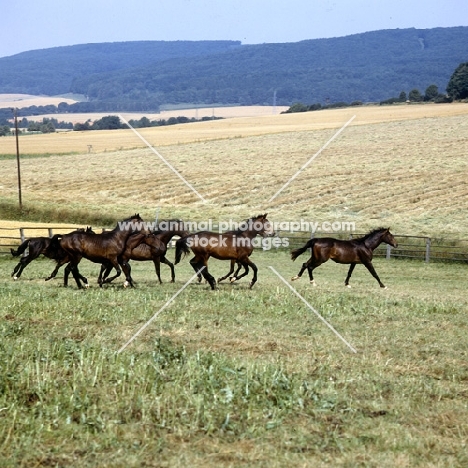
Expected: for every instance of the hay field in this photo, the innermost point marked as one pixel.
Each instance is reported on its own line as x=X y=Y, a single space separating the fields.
x=26 y=100
x=110 y=140
x=402 y=166
x=224 y=112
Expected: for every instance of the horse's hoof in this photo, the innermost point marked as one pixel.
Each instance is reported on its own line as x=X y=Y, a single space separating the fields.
x=233 y=279
x=126 y=284
x=15 y=278
x=294 y=278
x=348 y=286
x=313 y=283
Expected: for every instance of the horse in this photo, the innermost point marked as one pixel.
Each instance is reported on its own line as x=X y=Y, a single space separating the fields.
x=106 y=247
x=352 y=252
x=153 y=248
x=235 y=245
x=40 y=246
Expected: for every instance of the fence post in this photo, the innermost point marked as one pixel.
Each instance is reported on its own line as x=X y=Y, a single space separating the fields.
x=389 y=252
x=428 y=249
x=22 y=235
x=51 y=233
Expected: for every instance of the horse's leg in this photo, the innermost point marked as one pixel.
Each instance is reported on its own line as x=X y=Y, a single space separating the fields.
x=16 y=269
x=301 y=271
x=104 y=273
x=23 y=263
x=171 y=266
x=350 y=272
x=54 y=273
x=236 y=277
x=247 y=262
x=118 y=270
x=73 y=269
x=198 y=264
x=231 y=270
x=372 y=271
x=157 y=268
x=127 y=269
x=310 y=265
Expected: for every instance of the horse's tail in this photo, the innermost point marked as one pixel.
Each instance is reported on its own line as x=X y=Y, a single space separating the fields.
x=181 y=248
x=20 y=249
x=295 y=253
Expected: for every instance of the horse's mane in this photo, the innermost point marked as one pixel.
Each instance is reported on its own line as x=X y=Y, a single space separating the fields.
x=168 y=223
x=252 y=219
x=371 y=233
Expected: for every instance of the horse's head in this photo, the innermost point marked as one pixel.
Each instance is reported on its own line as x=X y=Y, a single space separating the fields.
x=136 y=217
x=388 y=238
x=263 y=227
x=132 y=224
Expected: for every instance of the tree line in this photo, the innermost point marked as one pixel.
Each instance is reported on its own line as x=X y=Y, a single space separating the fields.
x=367 y=67
x=457 y=89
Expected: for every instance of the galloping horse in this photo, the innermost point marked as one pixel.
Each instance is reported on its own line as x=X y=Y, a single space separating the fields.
x=40 y=246
x=106 y=247
x=235 y=245
x=344 y=251
x=154 y=248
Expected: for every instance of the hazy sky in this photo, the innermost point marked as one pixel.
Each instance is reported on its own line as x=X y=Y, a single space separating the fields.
x=39 y=24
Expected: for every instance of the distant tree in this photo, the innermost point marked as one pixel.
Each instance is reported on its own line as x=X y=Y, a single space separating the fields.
x=4 y=130
x=431 y=93
x=47 y=127
x=402 y=97
x=415 y=95
x=457 y=87
x=314 y=107
x=110 y=122
x=145 y=122
x=297 y=107
x=79 y=127
x=63 y=107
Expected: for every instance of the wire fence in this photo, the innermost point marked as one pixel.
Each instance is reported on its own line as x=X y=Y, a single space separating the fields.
x=422 y=248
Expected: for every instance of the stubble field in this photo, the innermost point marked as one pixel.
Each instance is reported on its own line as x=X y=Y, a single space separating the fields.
x=241 y=377
x=403 y=167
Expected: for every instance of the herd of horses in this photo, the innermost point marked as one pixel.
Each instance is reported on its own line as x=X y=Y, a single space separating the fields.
x=115 y=248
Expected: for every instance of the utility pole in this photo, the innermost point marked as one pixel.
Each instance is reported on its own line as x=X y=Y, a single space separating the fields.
x=15 y=112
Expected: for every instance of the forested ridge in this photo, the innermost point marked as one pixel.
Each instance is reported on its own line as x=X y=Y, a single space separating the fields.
x=362 y=67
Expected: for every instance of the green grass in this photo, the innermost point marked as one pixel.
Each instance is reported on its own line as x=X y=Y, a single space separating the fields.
x=4 y=157
x=236 y=377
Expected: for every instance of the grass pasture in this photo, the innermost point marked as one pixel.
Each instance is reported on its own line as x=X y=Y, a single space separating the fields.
x=236 y=377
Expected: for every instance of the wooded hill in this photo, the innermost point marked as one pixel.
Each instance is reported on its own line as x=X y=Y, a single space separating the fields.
x=363 y=67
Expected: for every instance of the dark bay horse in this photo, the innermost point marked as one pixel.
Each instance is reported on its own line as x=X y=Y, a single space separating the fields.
x=235 y=245
x=40 y=246
x=344 y=251
x=153 y=248
x=106 y=247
